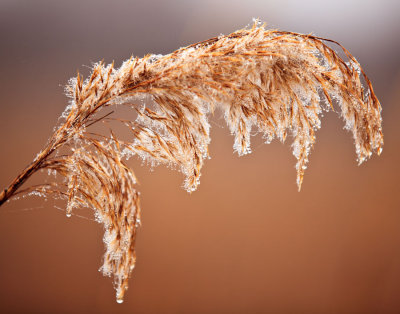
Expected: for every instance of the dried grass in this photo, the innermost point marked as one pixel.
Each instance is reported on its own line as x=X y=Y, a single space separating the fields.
x=275 y=81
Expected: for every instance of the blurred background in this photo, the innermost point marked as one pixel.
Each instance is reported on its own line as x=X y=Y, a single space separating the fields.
x=246 y=241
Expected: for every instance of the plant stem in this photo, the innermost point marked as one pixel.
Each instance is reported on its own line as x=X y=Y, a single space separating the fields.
x=8 y=192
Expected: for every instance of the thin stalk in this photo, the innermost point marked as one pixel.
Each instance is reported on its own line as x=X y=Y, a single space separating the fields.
x=8 y=192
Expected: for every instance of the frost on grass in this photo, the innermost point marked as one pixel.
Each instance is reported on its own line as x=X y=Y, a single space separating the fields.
x=274 y=82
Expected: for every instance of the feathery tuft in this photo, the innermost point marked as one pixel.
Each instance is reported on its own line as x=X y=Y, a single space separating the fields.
x=274 y=81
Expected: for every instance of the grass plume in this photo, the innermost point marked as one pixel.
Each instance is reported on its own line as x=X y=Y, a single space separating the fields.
x=275 y=81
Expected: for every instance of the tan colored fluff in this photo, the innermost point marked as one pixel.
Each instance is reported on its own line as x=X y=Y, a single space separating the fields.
x=274 y=81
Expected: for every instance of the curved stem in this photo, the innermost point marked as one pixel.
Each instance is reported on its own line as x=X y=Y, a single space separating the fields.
x=8 y=192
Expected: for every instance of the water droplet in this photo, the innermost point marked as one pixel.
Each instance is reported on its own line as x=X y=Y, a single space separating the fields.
x=68 y=215
x=120 y=300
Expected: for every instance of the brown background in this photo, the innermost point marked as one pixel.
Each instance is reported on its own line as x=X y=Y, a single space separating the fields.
x=246 y=241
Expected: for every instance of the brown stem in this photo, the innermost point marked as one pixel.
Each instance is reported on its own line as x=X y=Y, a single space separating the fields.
x=8 y=192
